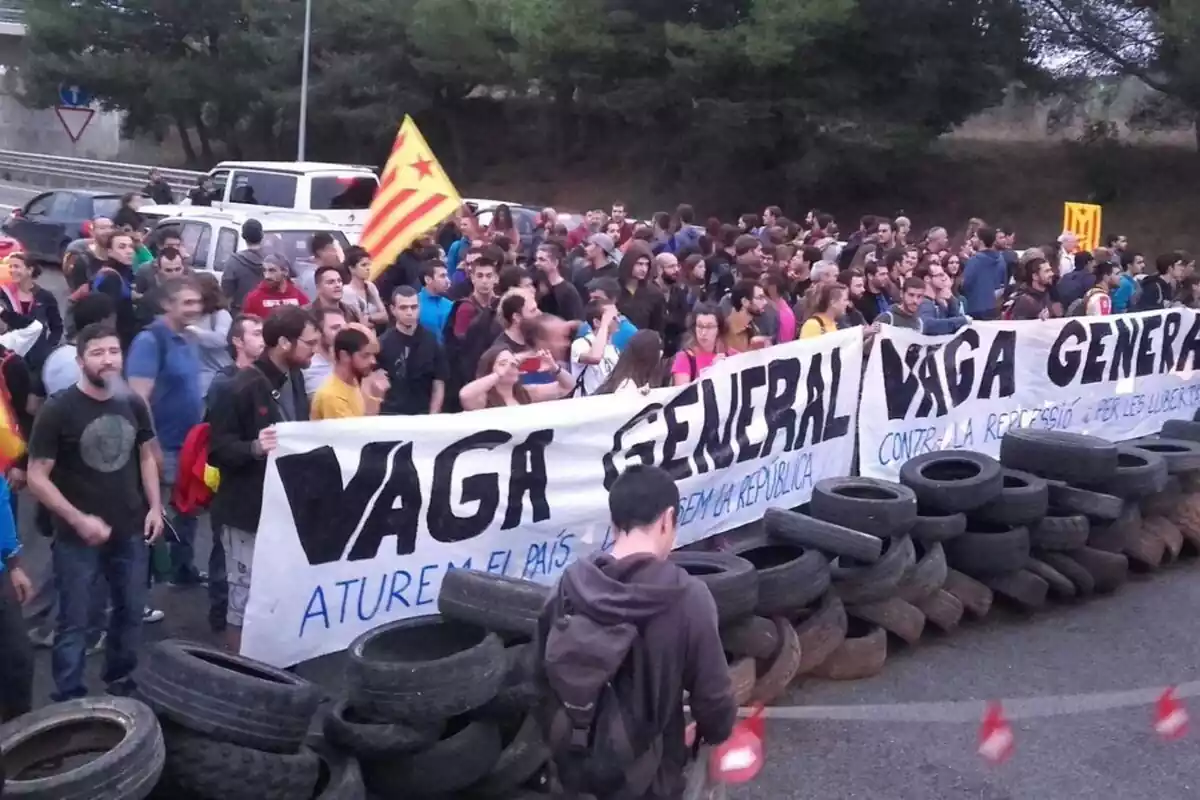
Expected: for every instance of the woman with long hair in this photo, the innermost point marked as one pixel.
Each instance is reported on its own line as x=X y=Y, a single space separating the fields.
x=703 y=344
x=829 y=306
x=24 y=301
x=359 y=293
x=639 y=369
x=502 y=223
x=640 y=301
x=211 y=331
x=952 y=264
x=498 y=381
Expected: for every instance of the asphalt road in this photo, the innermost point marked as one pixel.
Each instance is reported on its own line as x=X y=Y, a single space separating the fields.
x=1078 y=681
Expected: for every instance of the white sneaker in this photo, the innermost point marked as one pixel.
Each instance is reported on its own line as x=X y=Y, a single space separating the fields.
x=152 y=615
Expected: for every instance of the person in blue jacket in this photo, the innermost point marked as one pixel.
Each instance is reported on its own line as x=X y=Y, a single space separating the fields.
x=16 y=651
x=984 y=278
x=940 y=312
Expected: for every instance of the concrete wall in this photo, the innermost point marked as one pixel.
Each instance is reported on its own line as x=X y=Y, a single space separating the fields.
x=39 y=130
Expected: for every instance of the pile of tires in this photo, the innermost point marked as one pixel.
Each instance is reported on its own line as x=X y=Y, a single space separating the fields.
x=238 y=729
x=40 y=751
x=440 y=705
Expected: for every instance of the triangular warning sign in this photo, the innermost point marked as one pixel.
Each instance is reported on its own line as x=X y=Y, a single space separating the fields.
x=74 y=120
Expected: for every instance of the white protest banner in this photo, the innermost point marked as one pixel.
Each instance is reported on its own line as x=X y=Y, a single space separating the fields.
x=361 y=518
x=1116 y=377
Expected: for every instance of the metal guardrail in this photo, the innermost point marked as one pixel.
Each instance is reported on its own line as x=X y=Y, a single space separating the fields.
x=12 y=11
x=61 y=172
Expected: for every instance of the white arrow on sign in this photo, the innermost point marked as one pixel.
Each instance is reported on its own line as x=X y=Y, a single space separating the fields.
x=74 y=120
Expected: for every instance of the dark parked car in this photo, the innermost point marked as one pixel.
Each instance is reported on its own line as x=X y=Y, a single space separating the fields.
x=49 y=222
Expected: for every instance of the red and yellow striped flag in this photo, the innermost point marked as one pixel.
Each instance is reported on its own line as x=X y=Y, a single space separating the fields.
x=414 y=195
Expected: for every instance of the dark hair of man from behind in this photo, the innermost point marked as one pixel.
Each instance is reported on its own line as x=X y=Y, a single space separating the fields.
x=640 y=496
x=97 y=330
x=349 y=341
x=92 y=308
x=286 y=322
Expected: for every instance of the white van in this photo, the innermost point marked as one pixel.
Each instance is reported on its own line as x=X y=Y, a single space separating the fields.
x=341 y=193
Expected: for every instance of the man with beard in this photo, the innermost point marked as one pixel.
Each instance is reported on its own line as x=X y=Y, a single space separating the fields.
x=678 y=301
x=748 y=301
x=341 y=395
x=242 y=433
x=83 y=257
x=93 y=464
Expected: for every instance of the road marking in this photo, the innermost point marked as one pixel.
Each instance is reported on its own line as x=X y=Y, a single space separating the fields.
x=961 y=711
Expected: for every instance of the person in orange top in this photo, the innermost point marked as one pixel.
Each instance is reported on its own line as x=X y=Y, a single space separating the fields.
x=748 y=301
x=341 y=395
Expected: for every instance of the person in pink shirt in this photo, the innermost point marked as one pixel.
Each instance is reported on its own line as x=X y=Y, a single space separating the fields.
x=703 y=344
x=775 y=285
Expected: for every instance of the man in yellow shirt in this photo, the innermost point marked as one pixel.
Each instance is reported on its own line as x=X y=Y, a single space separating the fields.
x=341 y=395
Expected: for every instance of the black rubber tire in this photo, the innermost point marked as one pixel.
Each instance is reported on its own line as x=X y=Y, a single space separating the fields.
x=828 y=537
x=1066 y=499
x=1023 y=500
x=872 y=506
x=465 y=756
x=523 y=753
x=974 y=596
x=227 y=697
x=500 y=604
x=989 y=550
x=423 y=668
x=1109 y=570
x=952 y=480
x=1140 y=473
x=1072 y=570
x=821 y=632
x=212 y=769
x=1060 y=585
x=340 y=777
x=926 y=575
x=1059 y=455
x=1021 y=587
x=732 y=581
x=128 y=767
x=350 y=733
x=874 y=582
x=903 y=620
x=756 y=637
x=933 y=527
x=942 y=610
x=1188 y=429
x=1112 y=537
x=789 y=576
x=1063 y=533
x=518 y=691
x=1181 y=455
x=775 y=676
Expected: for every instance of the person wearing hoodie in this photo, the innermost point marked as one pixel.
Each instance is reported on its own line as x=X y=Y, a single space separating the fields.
x=1158 y=291
x=687 y=237
x=940 y=312
x=984 y=277
x=627 y=632
x=244 y=269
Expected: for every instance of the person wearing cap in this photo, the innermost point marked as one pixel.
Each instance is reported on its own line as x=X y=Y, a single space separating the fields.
x=600 y=261
x=244 y=269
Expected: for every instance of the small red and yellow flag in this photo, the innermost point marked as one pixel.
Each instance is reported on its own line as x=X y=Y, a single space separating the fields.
x=414 y=195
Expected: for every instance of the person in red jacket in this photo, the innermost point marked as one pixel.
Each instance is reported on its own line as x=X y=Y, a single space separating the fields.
x=275 y=290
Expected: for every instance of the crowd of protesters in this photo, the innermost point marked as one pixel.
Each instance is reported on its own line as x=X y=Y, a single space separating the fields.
x=468 y=317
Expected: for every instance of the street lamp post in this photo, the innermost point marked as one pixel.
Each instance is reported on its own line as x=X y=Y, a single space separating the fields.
x=302 y=136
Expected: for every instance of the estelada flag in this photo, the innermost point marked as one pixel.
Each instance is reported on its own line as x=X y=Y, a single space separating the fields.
x=414 y=195
x=1083 y=220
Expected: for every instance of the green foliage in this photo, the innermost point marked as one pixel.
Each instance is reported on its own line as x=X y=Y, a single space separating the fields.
x=725 y=97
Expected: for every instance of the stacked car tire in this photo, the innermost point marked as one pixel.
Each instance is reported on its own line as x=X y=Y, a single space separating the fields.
x=238 y=729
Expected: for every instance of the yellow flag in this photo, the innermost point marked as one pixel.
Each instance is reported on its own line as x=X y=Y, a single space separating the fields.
x=1083 y=220
x=414 y=195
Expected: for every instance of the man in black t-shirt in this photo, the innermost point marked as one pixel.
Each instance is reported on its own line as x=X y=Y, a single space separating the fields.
x=415 y=362
x=556 y=294
x=93 y=464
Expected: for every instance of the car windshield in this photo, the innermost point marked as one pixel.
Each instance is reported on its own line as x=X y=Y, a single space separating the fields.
x=343 y=192
x=294 y=245
x=105 y=206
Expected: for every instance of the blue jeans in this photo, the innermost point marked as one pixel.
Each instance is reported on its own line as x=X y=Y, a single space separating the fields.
x=122 y=560
x=181 y=535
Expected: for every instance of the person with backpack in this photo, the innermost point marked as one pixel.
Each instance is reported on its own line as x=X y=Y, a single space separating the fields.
x=164 y=370
x=1032 y=299
x=703 y=344
x=622 y=637
x=593 y=357
x=830 y=303
x=1098 y=301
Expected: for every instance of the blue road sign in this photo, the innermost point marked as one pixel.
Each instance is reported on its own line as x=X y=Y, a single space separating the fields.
x=74 y=96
